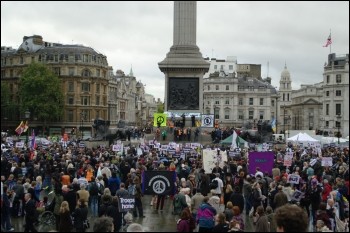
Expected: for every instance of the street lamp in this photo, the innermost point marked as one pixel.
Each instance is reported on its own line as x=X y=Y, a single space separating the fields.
x=27 y=116
x=82 y=117
x=338 y=125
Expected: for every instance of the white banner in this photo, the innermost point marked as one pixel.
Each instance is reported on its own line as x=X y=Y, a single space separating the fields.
x=207 y=121
x=19 y=144
x=293 y=179
x=117 y=147
x=211 y=157
x=327 y=161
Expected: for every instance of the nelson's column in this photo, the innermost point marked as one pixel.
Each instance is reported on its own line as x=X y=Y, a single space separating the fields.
x=184 y=65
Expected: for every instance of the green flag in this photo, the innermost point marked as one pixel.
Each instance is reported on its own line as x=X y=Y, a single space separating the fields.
x=159 y=119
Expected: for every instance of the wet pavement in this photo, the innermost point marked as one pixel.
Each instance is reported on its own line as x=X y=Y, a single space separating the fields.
x=154 y=221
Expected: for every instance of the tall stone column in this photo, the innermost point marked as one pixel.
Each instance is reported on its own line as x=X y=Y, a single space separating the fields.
x=185 y=15
x=184 y=65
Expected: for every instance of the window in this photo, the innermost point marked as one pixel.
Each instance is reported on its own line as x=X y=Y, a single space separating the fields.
x=86 y=73
x=122 y=106
x=227 y=87
x=337 y=109
x=240 y=101
x=241 y=88
x=261 y=101
x=21 y=60
x=327 y=78
x=217 y=101
x=251 y=101
x=227 y=114
x=215 y=67
x=251 y=115
x=97 y=100
x=251 y=88
x=261 y=115
x=327 y=109
x=208 y=87
x=70 y=116
x=57 y=71
x=221 y=67
x=227 y=101
x=122 y=116
x=85 y=87
x=240 y=115
x=338 y=124
x=97 y=88
x=71 y=71
x=217 y=87
x=216 y=113
x=327 y=93
x=85 y=100
x=11 y=73
x=288 y=97
x=70 y=86
x=327 y=124
x=338 y=93
x=338 y=78
x=208 y=102
x=272 y=103
x=70 y=100
x=98 y=72
x=230 y=67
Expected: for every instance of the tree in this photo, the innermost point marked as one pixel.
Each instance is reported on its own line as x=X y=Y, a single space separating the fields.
x=41 y=93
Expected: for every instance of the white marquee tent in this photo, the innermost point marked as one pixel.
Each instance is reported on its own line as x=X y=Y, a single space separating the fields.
x=302 y=137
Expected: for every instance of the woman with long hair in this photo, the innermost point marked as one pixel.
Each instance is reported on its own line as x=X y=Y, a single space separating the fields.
x=65 y=218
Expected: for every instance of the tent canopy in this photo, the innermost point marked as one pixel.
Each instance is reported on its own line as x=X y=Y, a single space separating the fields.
x=228 y=140
x=302 y=137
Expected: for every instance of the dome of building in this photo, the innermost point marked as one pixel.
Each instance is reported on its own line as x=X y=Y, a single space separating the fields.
x=285 y=75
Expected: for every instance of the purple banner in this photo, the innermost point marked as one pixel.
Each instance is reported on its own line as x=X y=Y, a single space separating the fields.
x=263 y=160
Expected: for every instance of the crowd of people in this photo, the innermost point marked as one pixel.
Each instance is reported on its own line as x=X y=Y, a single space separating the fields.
x=89 y=181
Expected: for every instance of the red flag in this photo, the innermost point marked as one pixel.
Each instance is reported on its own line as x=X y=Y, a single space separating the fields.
x=329 y=41
x=25 y=127
x=20 y=129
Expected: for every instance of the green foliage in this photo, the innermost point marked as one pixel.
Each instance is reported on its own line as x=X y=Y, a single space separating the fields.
x=41 y=93
x=5 y=94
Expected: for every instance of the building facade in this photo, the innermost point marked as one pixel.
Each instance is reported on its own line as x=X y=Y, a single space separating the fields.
x=229 y=66
x=236 y=101
x=91 y=90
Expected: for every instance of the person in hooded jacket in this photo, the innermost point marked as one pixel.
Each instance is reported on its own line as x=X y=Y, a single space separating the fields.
x=205 y=216
x=80 y=215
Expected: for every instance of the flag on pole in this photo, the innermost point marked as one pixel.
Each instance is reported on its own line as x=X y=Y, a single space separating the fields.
x=33 y=144
x=234 y=140
x=273 y=125
x=159 y=119
x=20 y=129
x=25 y=127
x=329 y=41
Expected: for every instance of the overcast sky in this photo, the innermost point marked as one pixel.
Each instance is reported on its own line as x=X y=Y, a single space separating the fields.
x=141 y=33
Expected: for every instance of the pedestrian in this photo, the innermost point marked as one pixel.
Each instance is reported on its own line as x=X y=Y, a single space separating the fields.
x=220 y=223
x=103 y=224
x=261 y=221
x=205 y=216
x=66 y=224
x=80 y=216
x=31 y=214
x=291 y=218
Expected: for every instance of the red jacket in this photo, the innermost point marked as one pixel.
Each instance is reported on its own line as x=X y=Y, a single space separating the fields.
x=327 y=189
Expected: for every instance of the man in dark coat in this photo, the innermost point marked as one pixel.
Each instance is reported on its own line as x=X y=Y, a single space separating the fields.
x=31 y=215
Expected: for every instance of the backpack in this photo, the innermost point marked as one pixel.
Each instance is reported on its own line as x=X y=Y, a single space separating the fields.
x=101 y=188
x=132 y=190
x=214 y=184
x=177 y=205
x=94 y=190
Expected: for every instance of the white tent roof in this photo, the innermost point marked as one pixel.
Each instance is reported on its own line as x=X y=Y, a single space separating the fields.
x=302 y=137
x=333 y=139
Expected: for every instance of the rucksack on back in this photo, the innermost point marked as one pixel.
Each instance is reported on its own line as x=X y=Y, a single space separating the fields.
x=214 y=184
x=93 y=189
x=132 y=190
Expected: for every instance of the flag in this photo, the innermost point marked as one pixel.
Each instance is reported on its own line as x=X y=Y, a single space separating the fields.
x=19 y=130
x=329 y=41
x=273 y=125
x=33 y=144
x=234 y=140
x=159 y=118
x=198 y=123
x=25 y=127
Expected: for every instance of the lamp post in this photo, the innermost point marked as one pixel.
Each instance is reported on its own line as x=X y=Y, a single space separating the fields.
x=27 y=116
x=284 y=121
x=338 y=125
x=82 y=116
